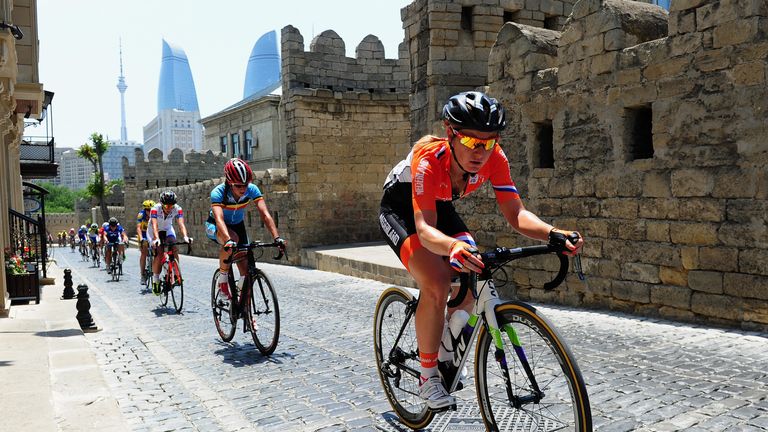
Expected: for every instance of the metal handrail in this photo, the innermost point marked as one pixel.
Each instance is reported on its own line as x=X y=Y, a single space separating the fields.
x=28 y=237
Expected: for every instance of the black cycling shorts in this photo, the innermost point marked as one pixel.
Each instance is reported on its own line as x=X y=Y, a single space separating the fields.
x=398 y=226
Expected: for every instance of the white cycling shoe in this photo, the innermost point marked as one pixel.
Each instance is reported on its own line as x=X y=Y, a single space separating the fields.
x=434 y=394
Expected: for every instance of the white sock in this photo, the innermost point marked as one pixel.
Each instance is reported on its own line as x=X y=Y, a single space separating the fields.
x=156 y=277
x=223 y=276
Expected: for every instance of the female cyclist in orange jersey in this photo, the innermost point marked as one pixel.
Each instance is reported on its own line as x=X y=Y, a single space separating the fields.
x=419 y=222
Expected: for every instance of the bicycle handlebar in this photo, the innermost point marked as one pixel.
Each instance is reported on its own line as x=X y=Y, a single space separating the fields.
x=255 y=245
x=500 y=256
x=171 y=244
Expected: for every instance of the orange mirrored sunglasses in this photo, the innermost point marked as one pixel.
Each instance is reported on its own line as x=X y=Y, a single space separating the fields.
x=473 y=143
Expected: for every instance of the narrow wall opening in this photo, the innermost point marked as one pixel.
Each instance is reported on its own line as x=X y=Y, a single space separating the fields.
x=544 y=156
x=638 y=126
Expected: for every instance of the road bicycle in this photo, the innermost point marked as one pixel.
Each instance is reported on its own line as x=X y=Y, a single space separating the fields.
x=96 y=254
x=171 y=282
x=84 y=253
x=116 y=264
x=529 y=382
x=255 y=302
x=147 y=271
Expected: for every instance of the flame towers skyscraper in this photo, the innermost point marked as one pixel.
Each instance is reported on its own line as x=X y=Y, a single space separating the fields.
x=178 y=115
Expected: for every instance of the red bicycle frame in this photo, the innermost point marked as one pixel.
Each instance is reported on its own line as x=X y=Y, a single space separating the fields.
x=173 y=274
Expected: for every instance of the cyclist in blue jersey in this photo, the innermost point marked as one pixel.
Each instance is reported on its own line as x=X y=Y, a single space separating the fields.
x=114 y=233
x=81 y=233
x=225 y=221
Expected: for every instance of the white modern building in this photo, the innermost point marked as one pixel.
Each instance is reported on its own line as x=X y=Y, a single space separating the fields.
x=74 y=172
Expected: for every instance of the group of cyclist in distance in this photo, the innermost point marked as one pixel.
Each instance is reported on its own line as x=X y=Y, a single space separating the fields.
x=95 y=236
x=417 y=219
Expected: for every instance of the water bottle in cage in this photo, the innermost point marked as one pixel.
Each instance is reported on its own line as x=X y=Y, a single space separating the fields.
x=451 y=335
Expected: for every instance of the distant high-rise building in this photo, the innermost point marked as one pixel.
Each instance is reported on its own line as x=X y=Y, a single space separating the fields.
x=113 y=158
x=121 y=86
x=177 y=122
x=74 y=172
x=262 y=76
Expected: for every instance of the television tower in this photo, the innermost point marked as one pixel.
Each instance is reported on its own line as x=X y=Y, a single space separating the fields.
x=121 y=86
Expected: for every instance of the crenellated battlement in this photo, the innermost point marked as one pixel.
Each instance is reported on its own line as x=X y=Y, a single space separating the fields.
x=325 y=65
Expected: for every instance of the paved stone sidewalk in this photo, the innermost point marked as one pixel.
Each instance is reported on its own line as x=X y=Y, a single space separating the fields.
x=171 y=372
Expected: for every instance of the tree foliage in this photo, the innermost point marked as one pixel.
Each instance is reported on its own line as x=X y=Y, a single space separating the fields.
x=61 y=199
x=93 y=152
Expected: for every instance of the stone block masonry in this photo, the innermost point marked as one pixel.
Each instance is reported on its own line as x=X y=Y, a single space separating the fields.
x=346 y=123
x=658 y=123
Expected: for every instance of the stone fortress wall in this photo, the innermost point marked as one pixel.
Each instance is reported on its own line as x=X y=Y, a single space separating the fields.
x=58 y=222
x=346 y=124
x=640 y=128
x=681 y=231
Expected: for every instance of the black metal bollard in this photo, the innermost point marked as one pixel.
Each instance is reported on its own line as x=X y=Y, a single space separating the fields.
x=84 y=310
x=68 y=293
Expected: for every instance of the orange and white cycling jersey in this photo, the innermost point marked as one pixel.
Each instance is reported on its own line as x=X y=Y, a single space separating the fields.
x=428 y=168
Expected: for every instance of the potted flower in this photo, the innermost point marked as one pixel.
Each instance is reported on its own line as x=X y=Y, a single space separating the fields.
x=22 y=285
x=14 y=265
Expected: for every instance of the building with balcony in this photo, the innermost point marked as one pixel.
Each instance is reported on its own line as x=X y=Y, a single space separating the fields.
x=21 y=97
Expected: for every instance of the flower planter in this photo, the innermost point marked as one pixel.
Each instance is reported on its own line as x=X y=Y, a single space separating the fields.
x=23 y=286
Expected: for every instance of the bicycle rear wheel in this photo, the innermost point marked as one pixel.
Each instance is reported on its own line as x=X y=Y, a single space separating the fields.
x=562 y=402
x=165 y=288
x=223 y=315
x=263 y=314
x=398 y=365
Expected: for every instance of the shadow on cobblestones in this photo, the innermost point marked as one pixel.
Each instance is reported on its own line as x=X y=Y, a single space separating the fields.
x=160 y=311
x=241 y=355
x=393 y=421
x=60 y=333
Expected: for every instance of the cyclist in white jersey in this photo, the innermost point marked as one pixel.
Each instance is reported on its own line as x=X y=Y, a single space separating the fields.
x=161 y=219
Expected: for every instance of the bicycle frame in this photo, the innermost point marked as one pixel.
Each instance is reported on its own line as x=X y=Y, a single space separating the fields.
x=168 y=261
x=486 y=302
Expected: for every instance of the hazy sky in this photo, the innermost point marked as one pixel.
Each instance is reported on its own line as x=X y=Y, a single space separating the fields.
x=79 y=59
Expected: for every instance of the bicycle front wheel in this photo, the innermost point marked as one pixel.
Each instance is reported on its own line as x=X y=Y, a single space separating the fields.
x=223 y=315
x=177 y=290
x=263 y=314
x=397 y=356
x=547 y=391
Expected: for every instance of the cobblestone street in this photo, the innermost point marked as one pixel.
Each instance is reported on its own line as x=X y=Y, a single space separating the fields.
x=172 y=372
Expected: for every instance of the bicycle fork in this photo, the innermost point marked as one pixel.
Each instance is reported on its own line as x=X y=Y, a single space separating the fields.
x=489 y=301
